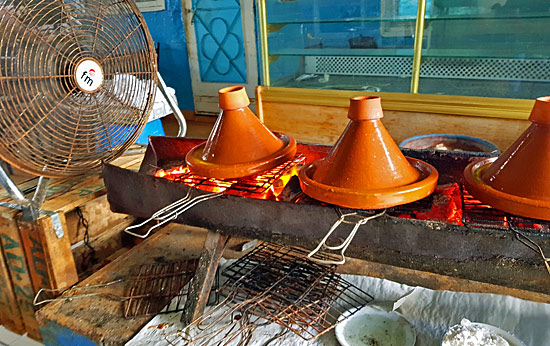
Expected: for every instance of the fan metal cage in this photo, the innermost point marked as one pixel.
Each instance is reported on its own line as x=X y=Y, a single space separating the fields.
x=77 y=83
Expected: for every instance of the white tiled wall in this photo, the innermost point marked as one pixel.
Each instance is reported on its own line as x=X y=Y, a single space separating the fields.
x=8 y=338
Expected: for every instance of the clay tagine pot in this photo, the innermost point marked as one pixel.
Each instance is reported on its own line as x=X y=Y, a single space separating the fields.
x=518 y=181
x=239 y=144
x=365 y=169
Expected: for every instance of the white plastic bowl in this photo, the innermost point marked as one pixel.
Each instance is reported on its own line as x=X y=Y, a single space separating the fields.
x=374 y=326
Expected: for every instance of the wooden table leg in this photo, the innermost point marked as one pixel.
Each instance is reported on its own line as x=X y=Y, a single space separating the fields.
x=204 y=276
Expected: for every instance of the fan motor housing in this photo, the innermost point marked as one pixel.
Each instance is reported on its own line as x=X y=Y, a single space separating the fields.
x=88 y=75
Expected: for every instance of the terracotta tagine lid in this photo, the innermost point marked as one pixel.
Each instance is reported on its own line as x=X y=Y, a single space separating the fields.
x=365 y=169
x=518 y=181
x=239 y=144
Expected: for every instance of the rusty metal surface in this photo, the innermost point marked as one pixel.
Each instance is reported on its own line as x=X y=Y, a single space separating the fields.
x=280 y=284
x=482 y=255
x=159 y=287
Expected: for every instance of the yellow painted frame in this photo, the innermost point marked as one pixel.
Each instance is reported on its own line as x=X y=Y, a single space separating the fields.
x=412 y=102
x=418 y=38
x=264 y=48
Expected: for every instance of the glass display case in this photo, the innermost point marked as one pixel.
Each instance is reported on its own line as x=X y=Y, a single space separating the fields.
x=493 y=48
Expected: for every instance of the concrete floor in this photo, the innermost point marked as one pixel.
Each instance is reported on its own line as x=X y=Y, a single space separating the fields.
x=8 y=338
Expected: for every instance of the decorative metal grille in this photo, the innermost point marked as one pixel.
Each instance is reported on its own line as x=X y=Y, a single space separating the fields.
x=361 y=66
x=459 y=68
x=220 y=47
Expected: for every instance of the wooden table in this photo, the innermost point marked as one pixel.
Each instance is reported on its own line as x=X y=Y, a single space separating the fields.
x=100 y=321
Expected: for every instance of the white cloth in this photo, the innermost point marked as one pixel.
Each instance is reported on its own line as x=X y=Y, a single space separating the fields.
x=430 y=312
x=121 y=82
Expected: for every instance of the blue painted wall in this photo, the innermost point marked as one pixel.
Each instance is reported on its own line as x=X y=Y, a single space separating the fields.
x=167 y=28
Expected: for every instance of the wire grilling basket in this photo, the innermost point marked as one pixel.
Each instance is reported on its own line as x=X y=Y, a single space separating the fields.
x=279 y=284
x=159 y=287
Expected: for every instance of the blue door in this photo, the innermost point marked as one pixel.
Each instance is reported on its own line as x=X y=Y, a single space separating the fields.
x=219 y=39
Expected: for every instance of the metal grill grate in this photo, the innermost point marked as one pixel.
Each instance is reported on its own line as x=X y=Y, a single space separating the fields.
x=159 y=288
x=480 y=215
x=258 y=187
x=281 y=285
x=460 y=68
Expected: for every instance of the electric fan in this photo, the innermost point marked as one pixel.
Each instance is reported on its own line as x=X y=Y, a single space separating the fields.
x=77 y=83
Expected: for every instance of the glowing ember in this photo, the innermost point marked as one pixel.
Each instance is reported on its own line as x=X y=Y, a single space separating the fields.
x=446 y=206
x=183 y=175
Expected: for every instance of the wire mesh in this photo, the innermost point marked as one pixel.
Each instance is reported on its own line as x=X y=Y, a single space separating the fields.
x=480 y=215
x=50 y=123
x=159 y=288
x=256 y=187
x=283 y=286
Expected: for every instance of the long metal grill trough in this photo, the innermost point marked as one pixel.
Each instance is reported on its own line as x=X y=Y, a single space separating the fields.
x=447 y=233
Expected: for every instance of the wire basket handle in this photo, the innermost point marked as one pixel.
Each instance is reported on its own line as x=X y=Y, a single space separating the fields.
x=344 y=218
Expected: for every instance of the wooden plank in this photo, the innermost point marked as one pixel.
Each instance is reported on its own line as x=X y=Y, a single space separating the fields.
x=85 y=184
x=25 y=187
x=199 y=292
x=89 y=189
x=57 y=187
x=105 y=245
x=14 y=253
x=100 y=320
x=323 y=125
x=35 y=257
x=10 y=315
x=98 y=215
x=470 y=106
x=50 y=259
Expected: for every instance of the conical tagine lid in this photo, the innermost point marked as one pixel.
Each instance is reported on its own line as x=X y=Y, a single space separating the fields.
x=518 y=181
x=239 y=144
x=365 y=169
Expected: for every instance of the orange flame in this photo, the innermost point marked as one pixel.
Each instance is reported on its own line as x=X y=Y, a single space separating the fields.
x=265 y=186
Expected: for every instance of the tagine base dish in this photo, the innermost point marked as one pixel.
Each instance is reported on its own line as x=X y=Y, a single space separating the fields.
x=240 y=170
x=371 y=199
x=522 y=206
